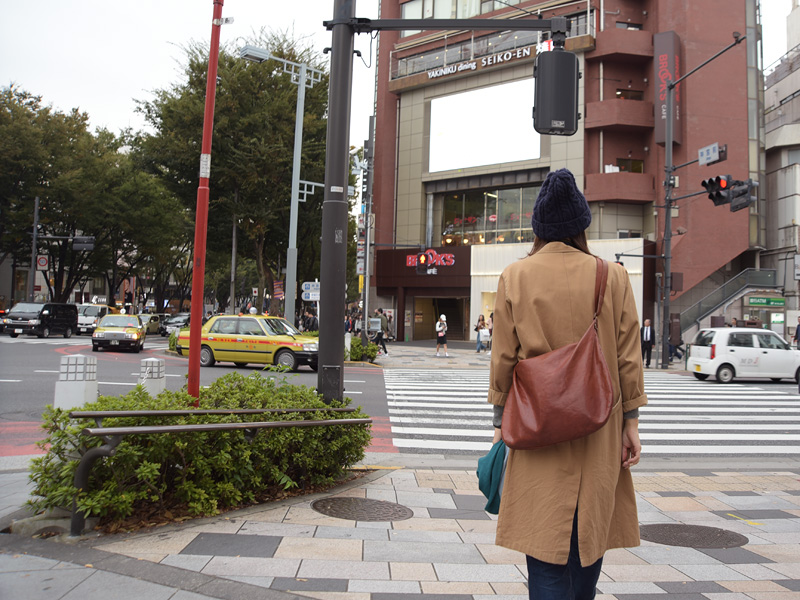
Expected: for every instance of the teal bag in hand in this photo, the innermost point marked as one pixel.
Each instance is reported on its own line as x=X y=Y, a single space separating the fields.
x=491 y=470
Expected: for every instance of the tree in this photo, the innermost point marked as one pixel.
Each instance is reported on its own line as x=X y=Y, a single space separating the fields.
x=251 y=152
x=87 y=185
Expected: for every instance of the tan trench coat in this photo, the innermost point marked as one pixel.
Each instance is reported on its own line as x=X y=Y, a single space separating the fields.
x=546 y=301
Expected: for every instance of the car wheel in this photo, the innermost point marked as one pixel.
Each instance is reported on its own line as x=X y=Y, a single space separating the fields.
x=68 y=332
x=700 y=376
x=725 y=374
x=207 y=357
x=240 y=364
x=14 y=334
x=163 y=334
x=286 y=358
x=45 y=333
x=797 y=377
x=95 y=348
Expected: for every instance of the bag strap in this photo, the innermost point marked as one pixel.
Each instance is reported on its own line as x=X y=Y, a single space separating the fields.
x=600 y=285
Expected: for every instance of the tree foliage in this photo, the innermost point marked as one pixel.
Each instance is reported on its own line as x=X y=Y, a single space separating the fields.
x=87 y=185
x=252 y=152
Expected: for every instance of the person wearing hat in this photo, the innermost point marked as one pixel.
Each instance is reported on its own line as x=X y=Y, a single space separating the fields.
x=441 y=334
x=565 y=505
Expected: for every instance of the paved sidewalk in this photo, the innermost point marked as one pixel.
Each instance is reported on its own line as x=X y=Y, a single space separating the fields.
x=462 y=355
x=445 y=551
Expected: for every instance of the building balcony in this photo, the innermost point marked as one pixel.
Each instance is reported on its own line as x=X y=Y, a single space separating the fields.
x=630 y=45
x=619 y=115
x=628 y=188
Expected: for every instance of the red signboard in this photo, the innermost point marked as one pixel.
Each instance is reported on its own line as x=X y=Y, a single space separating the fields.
x=667 y=65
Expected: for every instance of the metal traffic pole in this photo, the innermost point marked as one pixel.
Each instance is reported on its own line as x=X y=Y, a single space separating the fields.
x=333 y=266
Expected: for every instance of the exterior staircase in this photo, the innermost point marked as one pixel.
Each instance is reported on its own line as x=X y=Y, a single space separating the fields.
x=747 y=280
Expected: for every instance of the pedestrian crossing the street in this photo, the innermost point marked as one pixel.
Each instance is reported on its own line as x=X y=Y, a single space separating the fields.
x=446 y=412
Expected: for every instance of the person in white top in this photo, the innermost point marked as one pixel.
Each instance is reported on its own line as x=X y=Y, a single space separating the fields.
x=441 y=334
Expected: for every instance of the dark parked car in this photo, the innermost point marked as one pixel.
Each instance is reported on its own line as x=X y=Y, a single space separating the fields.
x=175 y=322
x=42 y=319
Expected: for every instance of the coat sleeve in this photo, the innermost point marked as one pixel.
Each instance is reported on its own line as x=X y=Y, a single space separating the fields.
x=629 y=352
x=505 y=347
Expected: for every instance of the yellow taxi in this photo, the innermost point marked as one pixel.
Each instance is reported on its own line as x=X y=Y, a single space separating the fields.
x=119 y=331
x=243 y=339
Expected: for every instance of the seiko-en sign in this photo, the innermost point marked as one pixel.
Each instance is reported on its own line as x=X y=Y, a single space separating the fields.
x=486 y=61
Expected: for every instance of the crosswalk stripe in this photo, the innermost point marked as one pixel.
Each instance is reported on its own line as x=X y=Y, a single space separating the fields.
x=448 y=411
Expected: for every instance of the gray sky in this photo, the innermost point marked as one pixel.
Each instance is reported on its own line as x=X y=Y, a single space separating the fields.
x=99 y=55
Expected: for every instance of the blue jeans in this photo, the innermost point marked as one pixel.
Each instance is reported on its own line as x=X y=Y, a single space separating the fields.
x=547 y=581
x=479 y=342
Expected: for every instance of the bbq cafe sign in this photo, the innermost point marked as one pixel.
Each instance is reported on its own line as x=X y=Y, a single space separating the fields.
x=481 y=63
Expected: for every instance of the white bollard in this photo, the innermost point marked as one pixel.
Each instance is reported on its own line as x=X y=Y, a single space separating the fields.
x=348 y=338
x=152 y=375
x=77 y=382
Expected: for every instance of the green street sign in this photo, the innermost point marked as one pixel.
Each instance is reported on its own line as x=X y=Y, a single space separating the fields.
x=760 y=301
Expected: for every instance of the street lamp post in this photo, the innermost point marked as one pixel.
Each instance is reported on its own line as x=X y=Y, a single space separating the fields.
x=303 y=76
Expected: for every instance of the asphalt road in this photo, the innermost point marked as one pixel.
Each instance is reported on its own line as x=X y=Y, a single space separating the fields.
x=29 y=369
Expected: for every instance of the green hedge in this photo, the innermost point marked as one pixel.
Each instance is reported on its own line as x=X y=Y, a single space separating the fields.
x=358 y=352
x=196 y=473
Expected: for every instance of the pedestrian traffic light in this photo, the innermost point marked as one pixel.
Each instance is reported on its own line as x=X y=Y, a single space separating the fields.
x=555 y=104
x=743 y=194
x=423 y=260
x=719 y=189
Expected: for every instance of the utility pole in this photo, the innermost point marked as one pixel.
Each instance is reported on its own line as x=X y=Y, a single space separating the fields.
x=201 y=219
x=333 y=266
x=32 y=270
x=369 y=148
x=669 y=185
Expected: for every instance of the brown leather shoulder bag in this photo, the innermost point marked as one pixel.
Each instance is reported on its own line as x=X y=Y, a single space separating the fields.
x=564 y=394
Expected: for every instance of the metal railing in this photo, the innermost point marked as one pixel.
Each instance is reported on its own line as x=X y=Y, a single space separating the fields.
x=749 y=278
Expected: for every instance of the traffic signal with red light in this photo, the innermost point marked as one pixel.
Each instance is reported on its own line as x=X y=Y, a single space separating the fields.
x=423 y=260
x=719 y=189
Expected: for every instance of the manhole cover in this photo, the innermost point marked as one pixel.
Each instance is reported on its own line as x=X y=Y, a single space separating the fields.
x=691 y=536
x=362 y=509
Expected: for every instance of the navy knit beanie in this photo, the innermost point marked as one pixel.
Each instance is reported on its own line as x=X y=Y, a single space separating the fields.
x=561 y=210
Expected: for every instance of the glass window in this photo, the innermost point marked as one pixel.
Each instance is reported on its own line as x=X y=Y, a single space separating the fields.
x=250 y=327
x=704 y=338
x=630 y=165
x=624 y=25
x=411 y=10
x=508 y=209
x=427 y=9
x=473 y=212
x=770 y=340
x=741 y=340
x=528 y=200
x=468 y=8
x=487 y=6
x=490 y=199
x=226 y=326
x=443 y=9
x=626 y=94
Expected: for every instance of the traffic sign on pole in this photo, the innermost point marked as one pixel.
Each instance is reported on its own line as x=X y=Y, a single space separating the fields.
x=42 y=262
x=311 y=286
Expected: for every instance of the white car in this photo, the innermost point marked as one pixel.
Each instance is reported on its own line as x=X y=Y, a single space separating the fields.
x=730 y=352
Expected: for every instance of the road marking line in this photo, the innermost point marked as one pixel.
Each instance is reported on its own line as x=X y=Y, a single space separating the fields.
x=744 y=520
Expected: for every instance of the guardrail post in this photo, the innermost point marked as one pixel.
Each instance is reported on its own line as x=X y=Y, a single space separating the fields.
x=77 y=382
x=152 y=375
